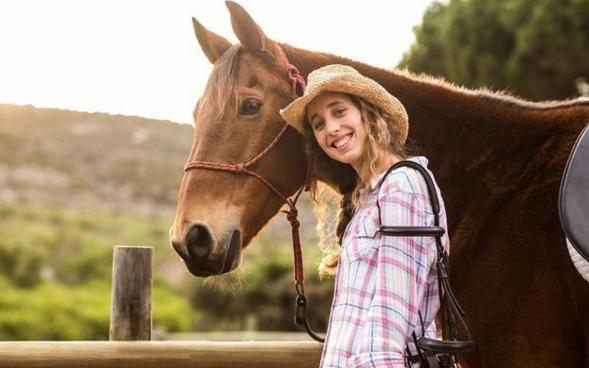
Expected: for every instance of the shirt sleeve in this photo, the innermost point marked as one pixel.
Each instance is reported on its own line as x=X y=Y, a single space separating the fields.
x=402 y=265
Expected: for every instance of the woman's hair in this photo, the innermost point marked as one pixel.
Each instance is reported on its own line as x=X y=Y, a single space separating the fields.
x=382 y=140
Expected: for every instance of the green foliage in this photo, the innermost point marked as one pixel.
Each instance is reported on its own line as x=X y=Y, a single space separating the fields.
x=55 y=272
x=53 y=311
x=71 y=247
x=536 y=48
x=171 y=309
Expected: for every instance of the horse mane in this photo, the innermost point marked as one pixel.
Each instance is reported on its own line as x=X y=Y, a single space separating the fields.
x=503 y=97
x=310 y=60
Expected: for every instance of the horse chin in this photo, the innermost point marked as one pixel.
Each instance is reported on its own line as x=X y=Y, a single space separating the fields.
x=225 y=262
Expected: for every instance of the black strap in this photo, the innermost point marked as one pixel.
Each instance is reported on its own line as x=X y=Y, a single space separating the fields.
x=450 y=308
x=412 y=230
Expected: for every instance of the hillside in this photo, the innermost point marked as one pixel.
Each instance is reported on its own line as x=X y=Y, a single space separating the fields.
x=100 y=162
x=88 y=161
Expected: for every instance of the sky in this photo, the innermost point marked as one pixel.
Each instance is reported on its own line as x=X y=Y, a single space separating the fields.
x=142 y=58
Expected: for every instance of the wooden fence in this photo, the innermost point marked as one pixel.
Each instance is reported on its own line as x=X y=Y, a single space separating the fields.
x=130 y=332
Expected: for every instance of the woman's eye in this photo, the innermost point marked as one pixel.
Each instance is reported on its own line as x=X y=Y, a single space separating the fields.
x=339 y=112
x=318 y=125
x=250 y=107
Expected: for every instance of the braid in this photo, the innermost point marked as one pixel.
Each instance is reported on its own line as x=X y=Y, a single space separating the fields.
x=347 y=209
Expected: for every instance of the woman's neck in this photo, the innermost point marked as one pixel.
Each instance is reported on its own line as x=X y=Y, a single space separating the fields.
x=388 y=160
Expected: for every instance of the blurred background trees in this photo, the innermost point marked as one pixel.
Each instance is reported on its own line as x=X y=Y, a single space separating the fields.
x=535 y=48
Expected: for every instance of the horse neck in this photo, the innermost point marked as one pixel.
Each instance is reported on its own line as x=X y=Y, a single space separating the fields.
x=487 y=135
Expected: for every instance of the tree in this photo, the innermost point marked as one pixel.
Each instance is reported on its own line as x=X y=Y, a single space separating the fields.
x=535 y=48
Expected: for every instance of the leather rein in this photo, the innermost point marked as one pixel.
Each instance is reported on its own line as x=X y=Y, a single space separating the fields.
x=298 y=87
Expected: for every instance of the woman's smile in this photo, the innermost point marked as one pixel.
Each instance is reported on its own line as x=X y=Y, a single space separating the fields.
x=342 y=142
x=338 y=128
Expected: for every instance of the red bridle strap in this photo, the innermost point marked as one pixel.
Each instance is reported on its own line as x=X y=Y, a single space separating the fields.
x=291 y=213
x=298 y=86
x=297 y=81
x=244 y=167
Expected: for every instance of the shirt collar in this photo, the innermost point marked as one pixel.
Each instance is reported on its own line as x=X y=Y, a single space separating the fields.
x=419 y=159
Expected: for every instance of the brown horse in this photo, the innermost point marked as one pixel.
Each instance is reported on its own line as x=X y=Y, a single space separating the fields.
x=497 y=159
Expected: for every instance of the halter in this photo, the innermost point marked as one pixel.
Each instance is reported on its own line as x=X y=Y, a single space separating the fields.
x=297 y=88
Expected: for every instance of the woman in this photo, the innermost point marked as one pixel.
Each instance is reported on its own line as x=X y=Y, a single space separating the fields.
x=386 y=288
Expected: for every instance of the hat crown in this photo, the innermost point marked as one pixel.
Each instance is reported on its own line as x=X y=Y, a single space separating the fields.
x=328 y=73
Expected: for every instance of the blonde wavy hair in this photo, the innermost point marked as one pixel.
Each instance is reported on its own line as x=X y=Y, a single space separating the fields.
x=383 y=139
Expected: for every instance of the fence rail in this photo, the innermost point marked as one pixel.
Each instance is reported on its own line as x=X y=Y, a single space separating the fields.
x=160 y=354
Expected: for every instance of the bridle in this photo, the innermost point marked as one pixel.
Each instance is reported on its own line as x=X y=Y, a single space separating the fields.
x=298 y=87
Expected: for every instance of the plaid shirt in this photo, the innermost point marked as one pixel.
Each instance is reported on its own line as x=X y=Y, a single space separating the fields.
x=383 y=282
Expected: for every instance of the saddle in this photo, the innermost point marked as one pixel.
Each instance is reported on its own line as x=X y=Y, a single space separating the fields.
x=573 y=199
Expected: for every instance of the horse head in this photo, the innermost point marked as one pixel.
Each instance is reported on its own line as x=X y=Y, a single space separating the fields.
x=236 y=118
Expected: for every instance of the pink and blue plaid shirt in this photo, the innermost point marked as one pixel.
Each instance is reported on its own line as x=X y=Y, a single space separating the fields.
x=383 y=282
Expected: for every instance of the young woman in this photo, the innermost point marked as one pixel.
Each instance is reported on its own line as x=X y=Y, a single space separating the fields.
x=386 y=288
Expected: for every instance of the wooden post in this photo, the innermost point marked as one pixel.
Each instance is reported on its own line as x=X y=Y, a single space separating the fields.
x=130 y=317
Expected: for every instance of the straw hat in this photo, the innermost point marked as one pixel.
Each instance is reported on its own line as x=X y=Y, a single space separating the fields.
x=343 y=78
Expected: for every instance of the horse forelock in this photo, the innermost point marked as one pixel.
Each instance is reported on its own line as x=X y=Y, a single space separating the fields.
x=220 y=92
x=220 y=95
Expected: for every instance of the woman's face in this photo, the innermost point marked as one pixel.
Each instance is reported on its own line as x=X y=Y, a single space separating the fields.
x=338 y=127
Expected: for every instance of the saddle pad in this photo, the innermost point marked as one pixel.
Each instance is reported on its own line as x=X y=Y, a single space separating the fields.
x=573 y=199
x=580 y=263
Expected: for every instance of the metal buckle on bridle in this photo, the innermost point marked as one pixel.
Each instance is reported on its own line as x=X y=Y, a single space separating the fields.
x=300 y=317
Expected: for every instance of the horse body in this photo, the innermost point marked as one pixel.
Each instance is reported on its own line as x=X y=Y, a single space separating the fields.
x=498 y=161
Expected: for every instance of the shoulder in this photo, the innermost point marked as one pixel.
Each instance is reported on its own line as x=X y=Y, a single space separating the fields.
x=405 y=179
x=409 y=185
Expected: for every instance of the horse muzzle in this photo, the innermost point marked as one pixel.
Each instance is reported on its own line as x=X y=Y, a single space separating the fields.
x=203 y=255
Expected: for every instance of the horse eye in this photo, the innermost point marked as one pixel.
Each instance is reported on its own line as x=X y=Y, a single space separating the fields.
x=250 y=107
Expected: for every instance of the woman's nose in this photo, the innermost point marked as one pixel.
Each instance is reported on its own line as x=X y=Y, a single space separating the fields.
x=332 y=126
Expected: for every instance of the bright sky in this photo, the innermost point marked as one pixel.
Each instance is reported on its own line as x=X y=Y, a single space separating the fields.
x=142 y=58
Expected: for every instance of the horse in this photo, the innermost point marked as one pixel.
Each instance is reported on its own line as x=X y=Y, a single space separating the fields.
x=498 y=160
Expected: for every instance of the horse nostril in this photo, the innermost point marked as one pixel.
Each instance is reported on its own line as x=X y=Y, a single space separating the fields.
x=198 y=241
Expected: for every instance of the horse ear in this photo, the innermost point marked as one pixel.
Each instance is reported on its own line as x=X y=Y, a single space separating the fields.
x=245 y=28
x=211 y=43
